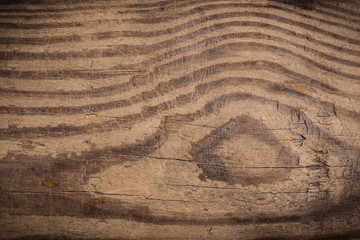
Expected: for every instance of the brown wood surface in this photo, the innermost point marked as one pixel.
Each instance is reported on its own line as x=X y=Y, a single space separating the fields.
x=222 y=119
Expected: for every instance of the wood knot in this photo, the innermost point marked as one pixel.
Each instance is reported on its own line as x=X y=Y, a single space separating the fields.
x=243 y=151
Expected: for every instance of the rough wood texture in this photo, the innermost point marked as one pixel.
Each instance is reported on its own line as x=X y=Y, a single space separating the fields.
x=223 y=119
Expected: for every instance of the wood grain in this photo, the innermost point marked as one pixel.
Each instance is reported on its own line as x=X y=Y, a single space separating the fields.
x=223 y=119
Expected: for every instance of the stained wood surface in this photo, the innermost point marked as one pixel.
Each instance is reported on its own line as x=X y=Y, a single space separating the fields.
x=183 y=119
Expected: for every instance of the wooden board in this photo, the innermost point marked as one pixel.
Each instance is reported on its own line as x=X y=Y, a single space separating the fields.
x=223 y=119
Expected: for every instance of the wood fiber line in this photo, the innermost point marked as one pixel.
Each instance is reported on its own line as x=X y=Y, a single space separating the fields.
x=179 y=119
x=188 y=13
x=176 y=29
x=165 y=56
x=161 y=89
x=339 y=9
x=149 y=111
x=173 y=6
x=130 y=50
x=82 y=8
x=205 y=8
x=169 y=43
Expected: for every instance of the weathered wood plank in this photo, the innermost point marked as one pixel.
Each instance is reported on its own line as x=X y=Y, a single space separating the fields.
x=224 y=119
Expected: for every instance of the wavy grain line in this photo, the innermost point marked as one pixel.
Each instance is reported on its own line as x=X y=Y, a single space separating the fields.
x=203 y=9
x=161 y=87
x=149 y=111
x=65 y=74
x=322 y=12
x=119 y=88
x=339 y=9
x=242 y=46
x=79 y=8
x=159 y=9
x=249 y=14
x=130 y=50
x=176 y=29
x=173 y=17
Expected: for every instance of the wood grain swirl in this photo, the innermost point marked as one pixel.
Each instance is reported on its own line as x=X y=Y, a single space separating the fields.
x=181 y=119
